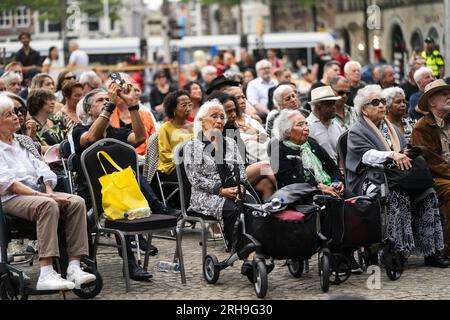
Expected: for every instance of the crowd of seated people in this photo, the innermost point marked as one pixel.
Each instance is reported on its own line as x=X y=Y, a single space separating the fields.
x=231 y=109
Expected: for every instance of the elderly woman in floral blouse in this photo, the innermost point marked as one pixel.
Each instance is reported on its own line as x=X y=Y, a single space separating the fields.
x=397 y=111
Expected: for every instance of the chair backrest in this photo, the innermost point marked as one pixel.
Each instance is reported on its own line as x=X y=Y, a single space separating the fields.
x=64 y=148
x=3 y=236
x=122 y=153
x=151 y=157
x=341 y=149
x=185 y=185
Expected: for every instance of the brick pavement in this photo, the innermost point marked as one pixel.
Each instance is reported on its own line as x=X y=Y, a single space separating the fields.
x=417 y=282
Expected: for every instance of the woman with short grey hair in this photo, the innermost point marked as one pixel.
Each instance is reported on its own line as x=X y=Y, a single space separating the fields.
x=372 y=142
x=397 y=111
x=284 y=97
x=12 y=81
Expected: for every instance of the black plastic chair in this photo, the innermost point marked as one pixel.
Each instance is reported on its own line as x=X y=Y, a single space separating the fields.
x=124 y=155
x=185 y=198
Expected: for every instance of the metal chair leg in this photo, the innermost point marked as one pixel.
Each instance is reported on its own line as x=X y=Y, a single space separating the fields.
x=179 y=252
x=125 y=261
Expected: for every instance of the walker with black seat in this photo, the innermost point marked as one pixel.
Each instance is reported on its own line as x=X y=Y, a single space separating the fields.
x=290 y=231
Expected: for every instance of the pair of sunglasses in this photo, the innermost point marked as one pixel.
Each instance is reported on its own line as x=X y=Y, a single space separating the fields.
x=21 y=110
x=376 y=102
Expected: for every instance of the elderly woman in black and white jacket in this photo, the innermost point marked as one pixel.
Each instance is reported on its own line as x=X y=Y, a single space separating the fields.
x=209 y=160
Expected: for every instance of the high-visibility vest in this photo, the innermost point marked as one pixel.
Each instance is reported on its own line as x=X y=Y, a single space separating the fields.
x=434 y=61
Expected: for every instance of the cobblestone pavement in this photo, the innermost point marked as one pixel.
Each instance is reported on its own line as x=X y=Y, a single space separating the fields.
x=417 y=281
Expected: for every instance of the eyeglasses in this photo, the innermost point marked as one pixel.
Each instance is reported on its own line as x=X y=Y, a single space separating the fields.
x=343 y=93
x=21 y=110
x=216 y=116
x=376 y=102
x=185 y=105
x=70 y=78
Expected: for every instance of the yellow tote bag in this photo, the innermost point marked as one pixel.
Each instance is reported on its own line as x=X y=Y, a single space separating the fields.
x=120 y=191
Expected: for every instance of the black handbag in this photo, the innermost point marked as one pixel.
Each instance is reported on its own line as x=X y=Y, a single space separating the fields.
x=415 y=179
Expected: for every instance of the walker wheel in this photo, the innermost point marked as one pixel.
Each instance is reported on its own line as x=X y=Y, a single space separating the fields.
x=211 y=269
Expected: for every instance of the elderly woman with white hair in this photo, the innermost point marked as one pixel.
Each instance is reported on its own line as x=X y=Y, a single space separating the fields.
x=284 y=97
x=26 y=195
x=94 y=112
x=372 y=142
x=397 y=111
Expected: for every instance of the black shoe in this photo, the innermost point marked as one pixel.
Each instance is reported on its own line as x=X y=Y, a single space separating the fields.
x=269 y=267
x=247 y=269
x=172 y=212
x=437 y=260
x=137 y=273
x=354 y=266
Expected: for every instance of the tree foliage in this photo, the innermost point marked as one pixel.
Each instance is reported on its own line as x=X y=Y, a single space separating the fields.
x=50 y=9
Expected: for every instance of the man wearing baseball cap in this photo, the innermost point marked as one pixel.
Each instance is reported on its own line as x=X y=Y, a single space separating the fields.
x=432 y=132
x=434 y=59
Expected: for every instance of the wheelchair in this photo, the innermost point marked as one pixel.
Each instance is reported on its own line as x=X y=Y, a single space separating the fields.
x=272 y=238
x=14 y=284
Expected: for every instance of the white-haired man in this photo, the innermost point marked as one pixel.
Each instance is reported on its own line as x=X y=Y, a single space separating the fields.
x=258 y=89
x=78 y=58
x=90 y=81
x=423 y=76
x=352 y=70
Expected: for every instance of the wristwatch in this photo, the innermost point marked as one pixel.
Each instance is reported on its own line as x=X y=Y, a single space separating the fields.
x=131 y=108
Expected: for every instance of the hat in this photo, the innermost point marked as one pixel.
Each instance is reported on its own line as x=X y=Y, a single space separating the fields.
x=429 y=39
x=220 y=81
x=430 y=89
x=324 y=93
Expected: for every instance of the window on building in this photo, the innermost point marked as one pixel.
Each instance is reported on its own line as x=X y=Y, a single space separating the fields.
x=22 y=17
x=93 y=24
x=53 y=26
x=5 y=19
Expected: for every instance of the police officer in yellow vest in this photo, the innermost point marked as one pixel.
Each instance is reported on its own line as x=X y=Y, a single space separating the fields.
x=434 y=59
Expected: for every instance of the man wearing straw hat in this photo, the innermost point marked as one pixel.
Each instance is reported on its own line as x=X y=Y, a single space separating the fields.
x=432 y=132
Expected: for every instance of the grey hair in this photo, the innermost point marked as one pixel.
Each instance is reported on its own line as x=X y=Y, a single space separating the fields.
x=8 y=76
x=207 y=69
x=350 y=64
x=90 y=77
x=391 y=92
x=336 y=79
x=283 y=123
x=278 y=95
x=420 y=73
x=203 y=111
x=383 y=69
x=262 y=63
x=85 y=104
x=362 y=97
x=5 y=103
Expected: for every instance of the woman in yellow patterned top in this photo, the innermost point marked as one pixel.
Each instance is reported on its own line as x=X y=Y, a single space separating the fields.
x=177 y=106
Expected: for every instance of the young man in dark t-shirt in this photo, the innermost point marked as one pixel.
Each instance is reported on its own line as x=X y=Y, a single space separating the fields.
x=29 y=57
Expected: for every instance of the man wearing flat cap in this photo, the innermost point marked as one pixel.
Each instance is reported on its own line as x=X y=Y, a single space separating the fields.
x=432 y=132
x=434 y=59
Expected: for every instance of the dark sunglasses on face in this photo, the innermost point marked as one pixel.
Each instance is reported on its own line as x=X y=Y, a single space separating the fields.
x=343 y=93
x=376 y=102
x=21 y=110
x=70 y=78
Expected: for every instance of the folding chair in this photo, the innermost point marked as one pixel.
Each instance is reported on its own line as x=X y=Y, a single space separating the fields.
x=185 y=197
x=124 y=155
x=150 y=168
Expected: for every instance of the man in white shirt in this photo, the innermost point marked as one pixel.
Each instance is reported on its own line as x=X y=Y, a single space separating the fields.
x=78 y=58
x=322 y=126
x=258 y=89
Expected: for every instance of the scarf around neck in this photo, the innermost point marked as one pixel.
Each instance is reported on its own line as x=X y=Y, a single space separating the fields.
x=311 y=163
x=391 y=131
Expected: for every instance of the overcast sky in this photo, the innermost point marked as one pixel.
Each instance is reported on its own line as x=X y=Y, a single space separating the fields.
x=153 y=4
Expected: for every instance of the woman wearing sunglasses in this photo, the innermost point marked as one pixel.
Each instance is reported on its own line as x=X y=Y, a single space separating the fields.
x=372 y=141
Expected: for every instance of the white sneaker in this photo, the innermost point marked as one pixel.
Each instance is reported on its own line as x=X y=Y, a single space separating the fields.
x=53 y=281
x=79 y=277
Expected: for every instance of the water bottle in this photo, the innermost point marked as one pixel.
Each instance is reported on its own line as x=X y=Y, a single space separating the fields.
x=137 y=214
x=273 y=204
x=166 y=266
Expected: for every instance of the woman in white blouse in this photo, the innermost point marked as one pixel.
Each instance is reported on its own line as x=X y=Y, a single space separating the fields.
x=26 y=189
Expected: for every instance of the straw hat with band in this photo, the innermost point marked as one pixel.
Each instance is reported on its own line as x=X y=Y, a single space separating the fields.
x=324 y=93
x=430 y=89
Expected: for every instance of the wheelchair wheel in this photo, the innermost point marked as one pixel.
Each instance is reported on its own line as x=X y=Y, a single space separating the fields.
x=260 y=276
x=295 y=267
x=324 y=272
x=9 y=290
x=211 y=269
x=92 y=289
x=340 y=267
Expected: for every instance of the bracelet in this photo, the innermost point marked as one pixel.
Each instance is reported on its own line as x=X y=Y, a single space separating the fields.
x=104 y=116
x=132 y=108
